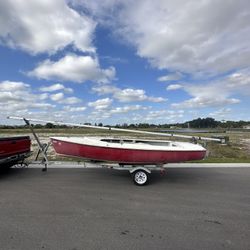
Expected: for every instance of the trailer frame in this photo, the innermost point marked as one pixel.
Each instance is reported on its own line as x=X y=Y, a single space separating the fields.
x=140 y=173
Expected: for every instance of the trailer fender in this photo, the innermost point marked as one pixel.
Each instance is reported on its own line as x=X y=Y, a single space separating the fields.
x=139 y=168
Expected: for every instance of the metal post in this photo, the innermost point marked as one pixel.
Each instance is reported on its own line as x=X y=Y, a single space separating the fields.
x=42 y=149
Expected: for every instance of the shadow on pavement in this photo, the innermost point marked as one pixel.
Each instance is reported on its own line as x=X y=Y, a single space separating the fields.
x=7 y=172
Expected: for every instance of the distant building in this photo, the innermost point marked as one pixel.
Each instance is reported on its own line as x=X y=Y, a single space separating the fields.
x=246 y=127
x=174 y=127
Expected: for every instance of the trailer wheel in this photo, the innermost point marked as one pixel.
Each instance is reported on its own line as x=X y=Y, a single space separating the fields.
x=140 y=177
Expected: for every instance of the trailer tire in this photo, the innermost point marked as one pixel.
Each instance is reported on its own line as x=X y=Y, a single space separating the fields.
x=140 y=177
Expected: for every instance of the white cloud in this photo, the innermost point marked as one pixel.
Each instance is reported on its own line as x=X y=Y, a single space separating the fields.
x=101 y=104
x=133 y=95
x=44 y=96
x=102 y=10
x=126 y=95
x=18 y=97
x=157 y=116
x=239 y=82
x=56 y=87
x=163 y=115
x=73 y=68
x=71 y=100
x=68 y=100
x=44 y=26
x=156 y=99
x=98 y=114
x=126 y=109
x=57 y=97
x=174 y=86
x=189 y=36
x=220 y=92
x=206 y=101
x=13 y=86
x=74 y=109
x=170 y=77
x=130 y=95
x=221 y=114
x=105 y=89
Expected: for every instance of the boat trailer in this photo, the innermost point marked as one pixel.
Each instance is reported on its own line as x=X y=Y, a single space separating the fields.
x=140 y=173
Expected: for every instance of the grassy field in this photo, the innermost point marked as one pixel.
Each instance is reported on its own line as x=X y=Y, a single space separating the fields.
x=236 y=150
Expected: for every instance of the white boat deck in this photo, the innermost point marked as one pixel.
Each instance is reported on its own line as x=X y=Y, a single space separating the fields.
x=134 y=144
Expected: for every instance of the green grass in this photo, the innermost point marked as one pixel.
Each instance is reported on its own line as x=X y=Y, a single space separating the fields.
x=223 y=160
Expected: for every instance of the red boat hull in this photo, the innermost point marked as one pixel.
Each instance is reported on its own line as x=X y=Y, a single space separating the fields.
x=124 y=156
x=10 y=146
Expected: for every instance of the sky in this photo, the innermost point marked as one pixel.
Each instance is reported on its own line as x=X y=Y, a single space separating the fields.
x=124 y=61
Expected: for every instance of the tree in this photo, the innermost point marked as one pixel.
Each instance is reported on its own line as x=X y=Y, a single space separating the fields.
x=49 y=125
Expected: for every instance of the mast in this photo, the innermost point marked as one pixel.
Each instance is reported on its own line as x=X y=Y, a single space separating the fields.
x=118 y=129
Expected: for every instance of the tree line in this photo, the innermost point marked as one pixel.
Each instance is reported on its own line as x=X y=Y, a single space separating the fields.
x=196 y=123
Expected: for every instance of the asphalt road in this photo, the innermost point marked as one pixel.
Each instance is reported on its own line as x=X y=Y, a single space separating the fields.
x=188 y=208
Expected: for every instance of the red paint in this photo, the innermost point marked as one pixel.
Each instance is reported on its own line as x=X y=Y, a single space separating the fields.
x=10 y=146
x=125 y=156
